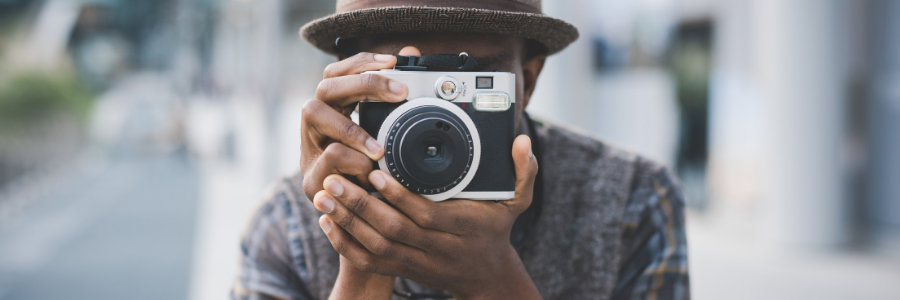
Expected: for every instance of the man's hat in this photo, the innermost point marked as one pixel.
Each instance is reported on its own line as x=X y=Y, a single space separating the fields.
x=357 y=18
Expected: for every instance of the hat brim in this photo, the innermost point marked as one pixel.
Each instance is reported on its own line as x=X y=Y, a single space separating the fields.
x=553 y=33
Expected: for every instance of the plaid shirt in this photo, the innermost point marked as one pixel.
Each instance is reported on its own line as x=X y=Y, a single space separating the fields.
x=653 y=248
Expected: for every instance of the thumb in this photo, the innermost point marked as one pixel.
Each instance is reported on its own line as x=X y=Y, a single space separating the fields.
x=526 y=170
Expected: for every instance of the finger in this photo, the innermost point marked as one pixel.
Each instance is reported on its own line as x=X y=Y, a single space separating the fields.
x=359 y=63
x=526 y=170
x=367 y=236
x=329 y=125
x=448 y=216
x=345 y=90
x=388 y=221
x=361 y=258
x=337 y=158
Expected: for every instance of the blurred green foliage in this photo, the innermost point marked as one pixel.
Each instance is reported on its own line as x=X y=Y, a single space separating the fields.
x=28 y=99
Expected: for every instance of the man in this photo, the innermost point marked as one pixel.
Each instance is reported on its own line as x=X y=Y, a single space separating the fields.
x=595 y=222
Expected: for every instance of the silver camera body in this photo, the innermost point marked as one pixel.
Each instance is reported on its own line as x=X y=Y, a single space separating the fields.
x=452 y=138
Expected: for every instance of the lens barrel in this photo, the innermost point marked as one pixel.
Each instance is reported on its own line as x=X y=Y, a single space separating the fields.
x=429 y=150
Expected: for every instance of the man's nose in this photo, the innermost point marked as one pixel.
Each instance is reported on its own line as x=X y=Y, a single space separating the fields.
x=410 y=51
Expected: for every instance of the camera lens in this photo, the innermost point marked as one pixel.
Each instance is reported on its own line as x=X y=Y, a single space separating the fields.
x=447 y=88
x=429 y=150
x=432 y=151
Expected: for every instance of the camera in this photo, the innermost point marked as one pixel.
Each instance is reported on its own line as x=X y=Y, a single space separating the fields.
x=452 y=138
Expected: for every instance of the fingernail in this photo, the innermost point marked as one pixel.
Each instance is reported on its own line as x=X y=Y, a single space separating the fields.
x=383 y=57
x=397 y=87
x=377 y=180
x=325 y=223
x=530 y=153
x=373 y=146
x=335 y=188
x=326 y=205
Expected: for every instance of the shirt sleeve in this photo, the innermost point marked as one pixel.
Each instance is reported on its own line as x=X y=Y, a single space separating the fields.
x=654 y=246
x=267 y=270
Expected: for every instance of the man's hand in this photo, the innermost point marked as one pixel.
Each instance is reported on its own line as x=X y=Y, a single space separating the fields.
x=334 y=145
x=459 y=246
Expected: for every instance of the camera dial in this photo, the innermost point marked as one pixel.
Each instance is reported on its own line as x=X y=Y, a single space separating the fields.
x=431 y=147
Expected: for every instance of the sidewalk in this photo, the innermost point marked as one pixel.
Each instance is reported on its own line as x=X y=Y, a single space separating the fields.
x=730 y=264
x=123 y=234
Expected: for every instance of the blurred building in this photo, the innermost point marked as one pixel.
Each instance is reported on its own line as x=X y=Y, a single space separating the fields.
x=780 y=117
x=798 y=113
x=777 y=115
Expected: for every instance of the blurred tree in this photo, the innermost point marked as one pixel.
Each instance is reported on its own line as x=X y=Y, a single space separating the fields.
x=41 y=118
x=27 y=99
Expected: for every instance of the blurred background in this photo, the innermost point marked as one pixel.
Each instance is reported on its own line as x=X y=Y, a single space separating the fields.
x=137 y=136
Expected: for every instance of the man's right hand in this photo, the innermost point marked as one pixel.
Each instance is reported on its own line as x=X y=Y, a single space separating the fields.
x=332 y=143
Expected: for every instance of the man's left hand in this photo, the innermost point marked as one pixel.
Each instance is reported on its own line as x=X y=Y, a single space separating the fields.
x=459 y=246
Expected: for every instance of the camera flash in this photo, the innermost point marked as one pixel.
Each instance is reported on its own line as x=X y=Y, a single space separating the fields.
x=491 y=102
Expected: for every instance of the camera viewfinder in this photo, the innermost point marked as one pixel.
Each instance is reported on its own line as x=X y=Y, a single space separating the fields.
x=484 y=82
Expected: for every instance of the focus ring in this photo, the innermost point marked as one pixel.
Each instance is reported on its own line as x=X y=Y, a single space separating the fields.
x=412 y=131
x=448 y=108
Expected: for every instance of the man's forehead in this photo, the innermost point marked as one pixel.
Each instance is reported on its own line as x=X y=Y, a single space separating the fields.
x=430 y=43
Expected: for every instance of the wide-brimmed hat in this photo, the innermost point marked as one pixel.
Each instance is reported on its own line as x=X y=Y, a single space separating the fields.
x=357 y=18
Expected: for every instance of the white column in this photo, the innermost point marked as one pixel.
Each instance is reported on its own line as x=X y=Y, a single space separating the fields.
x=563 y=89
x=884 y=121
x=799 y=68
x=736 y=122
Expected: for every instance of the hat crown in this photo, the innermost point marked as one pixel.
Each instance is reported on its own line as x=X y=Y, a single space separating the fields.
x=531 y=6
x=358 y=18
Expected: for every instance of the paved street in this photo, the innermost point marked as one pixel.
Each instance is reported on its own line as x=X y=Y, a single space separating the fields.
x=729 y=261
x=124 y=232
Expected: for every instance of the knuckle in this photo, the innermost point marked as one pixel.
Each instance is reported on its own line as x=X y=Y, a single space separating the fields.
x=383 y=248
x=354 y=132
x=367 y=265
x=394 y=193
x=323 y=90
x=333 y=151
x=427 y=242
x=465 y=226
x=347 y=221
x=331 y=70
x=364 y=163
x=363 y=57
x=397 y=231
x=371 y=81
x=306 y=162
x=427 y=218
x=525 y=204
x=478 y=220
x=309 y=189
x=359 y=204
x=455 y=255
x=409 y=260
x=360 y=61
x=339 y=245
x=310 y=109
